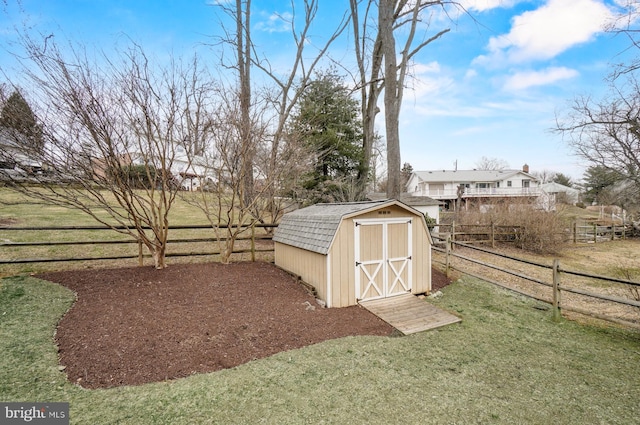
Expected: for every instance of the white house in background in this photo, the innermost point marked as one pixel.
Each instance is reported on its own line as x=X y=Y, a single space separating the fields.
x=477 y=187
x=426 y=205
x=15 y=160
x=554 y=193
x=192 y=171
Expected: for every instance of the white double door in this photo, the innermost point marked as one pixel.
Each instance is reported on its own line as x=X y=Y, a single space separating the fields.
x=383 y=257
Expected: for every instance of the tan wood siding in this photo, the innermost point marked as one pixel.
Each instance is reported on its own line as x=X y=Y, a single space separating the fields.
x=422 y=258
x=342 y=266
x=310 y=266
x=340 y=263
x=392 y=211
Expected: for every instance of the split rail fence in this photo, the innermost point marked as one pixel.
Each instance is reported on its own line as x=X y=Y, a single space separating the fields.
x=491 y=234
x=17 y=241
x=559 y=288
x=565 y=289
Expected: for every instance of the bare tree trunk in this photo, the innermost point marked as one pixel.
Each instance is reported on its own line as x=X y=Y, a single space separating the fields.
x=392 y=15
x=244 y=74
x=370 y=88
x=391 y=96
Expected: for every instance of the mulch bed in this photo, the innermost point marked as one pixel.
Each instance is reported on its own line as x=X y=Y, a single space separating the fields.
x=131 y=326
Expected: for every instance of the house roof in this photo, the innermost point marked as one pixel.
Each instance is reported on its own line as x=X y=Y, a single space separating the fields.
x=9 y=137
x=13 y=147
x=313 y=228
x=405 y=198
x=554 y=187
x=467 y=176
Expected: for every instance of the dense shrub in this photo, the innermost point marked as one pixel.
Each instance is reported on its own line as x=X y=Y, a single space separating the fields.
x=538 y=231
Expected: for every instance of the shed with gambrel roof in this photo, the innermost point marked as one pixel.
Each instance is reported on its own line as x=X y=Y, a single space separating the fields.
x=356 y=251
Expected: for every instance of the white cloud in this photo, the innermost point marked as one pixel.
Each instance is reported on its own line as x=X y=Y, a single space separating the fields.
x=423 y=68
x=548 y=31
x=483 y=5
x=428 y=80
x=523 y=80
x=276 y=22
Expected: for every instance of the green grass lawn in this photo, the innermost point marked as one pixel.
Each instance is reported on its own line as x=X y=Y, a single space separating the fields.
x=506 y=363
x=16 y=211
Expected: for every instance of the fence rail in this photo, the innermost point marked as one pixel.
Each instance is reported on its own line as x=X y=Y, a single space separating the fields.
x=492 y=233
x=9 y=244
x=555 y=295
x=556 y=274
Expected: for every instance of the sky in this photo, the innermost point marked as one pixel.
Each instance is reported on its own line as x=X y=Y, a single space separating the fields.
x=491 y=87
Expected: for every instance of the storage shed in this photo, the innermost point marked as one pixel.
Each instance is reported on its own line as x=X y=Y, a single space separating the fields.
x=356 y=251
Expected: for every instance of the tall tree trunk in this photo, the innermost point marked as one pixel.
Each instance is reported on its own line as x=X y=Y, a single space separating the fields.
x=391 y=97
x=244 y=71
x=370 y=88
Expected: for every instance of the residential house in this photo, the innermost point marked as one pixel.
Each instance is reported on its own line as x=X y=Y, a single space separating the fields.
x=475 y=187
x=427 y=206
x=16 y=161
x=191 y=172
x=556 y=193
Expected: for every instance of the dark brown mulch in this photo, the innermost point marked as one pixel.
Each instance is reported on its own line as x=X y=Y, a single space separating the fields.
x=131 y=326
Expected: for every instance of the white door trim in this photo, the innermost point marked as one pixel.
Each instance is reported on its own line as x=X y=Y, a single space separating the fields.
x=391 y=275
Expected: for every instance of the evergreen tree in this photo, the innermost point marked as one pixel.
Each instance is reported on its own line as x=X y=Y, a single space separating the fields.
x=406 y=171
x=16 y=114
x=598 y=182
x=328 y=122
x=562 y=179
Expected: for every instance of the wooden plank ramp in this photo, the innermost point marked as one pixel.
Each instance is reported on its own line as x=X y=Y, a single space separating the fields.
x=409 y=314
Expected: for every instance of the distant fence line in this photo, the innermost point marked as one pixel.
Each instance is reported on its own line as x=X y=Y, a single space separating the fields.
x=497 y=234
x=554 y=283
x=140 y=254
x=473 y=234
x=492 y=233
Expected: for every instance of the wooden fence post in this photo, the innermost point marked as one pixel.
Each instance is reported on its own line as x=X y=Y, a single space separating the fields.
x=575 y=232
x=557 y=313
x=453 y=232
x=140 y=257
x=447 y=255
x=613 y=231
x=493 y=235
x=253 y=242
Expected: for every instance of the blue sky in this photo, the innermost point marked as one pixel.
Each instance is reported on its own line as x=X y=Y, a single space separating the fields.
x=490 y=87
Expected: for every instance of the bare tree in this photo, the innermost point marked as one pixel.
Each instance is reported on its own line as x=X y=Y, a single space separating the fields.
x=387 y=70
x=274 y=102
x=625 y=24
x=222 y=195
x=113 y=131
x=607 y=133
x=491 y=164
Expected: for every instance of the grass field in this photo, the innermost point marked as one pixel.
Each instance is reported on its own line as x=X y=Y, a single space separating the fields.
x=506 y=363
x=16 y=211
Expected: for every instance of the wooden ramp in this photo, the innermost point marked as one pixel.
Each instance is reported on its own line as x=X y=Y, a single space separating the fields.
x=409 y=314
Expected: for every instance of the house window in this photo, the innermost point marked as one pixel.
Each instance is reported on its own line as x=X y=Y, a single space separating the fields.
x=526 y=183
x=509 y=183
x=497 y=184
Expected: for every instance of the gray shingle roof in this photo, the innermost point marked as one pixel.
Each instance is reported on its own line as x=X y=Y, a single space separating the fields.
x=405 y=198
x=467 y=176
x=313 y=228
